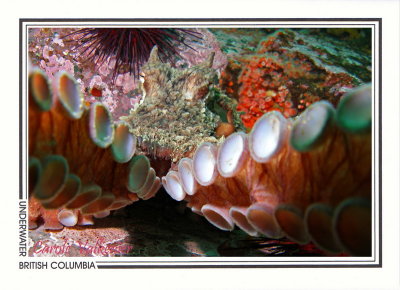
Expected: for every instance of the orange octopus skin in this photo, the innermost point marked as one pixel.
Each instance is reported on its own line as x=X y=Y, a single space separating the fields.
x=313 y=182
x=73 y=176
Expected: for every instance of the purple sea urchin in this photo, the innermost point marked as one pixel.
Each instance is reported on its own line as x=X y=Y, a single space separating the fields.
x=131 y=47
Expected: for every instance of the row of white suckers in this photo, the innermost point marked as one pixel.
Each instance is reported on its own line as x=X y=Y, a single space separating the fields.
x=209 y=161
x=69 y=101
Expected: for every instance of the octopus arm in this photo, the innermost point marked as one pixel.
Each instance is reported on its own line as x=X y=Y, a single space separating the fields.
x=307 y=179
x=81 y=162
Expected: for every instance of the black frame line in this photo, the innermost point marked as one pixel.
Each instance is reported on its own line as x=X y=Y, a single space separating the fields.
x=102 y=267
x=196 y=19
x=222 y=21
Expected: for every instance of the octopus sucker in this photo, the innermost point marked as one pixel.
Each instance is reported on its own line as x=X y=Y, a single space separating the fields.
x=290 y=219
x=153 y=190
x=150 y=180
x=232 y=155
x=68 y=218
x=124 y=144
x=267 y=136
x=307 y=178
x=70 y=190
x=352 y=223
x=120 y=202
x=139 y=169
x=87 y=194
x=218 y=216
x=54 y=175
x=239 y=217
x=101 y=127
x=204 y=164
x=311 y=128
x=101 y=214
x=70 y=100
x=319 y=223
x=175 y=189
x=185 y=172
x=354 y=110
x=260 y=216
x=81 y=162
x=40 y=91
x=35 y=170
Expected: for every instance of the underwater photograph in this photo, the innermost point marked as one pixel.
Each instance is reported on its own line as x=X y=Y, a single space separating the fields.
x=196 y=141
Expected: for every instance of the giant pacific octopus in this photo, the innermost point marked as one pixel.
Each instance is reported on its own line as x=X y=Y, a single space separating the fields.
x=306 y=178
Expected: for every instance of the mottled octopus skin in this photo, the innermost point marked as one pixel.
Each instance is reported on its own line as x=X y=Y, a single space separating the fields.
x=321 y=192
x=55 y=131
x=172 y=118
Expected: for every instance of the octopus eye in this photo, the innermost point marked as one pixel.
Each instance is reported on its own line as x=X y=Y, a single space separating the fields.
x=141 y=77
x=202 y=92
